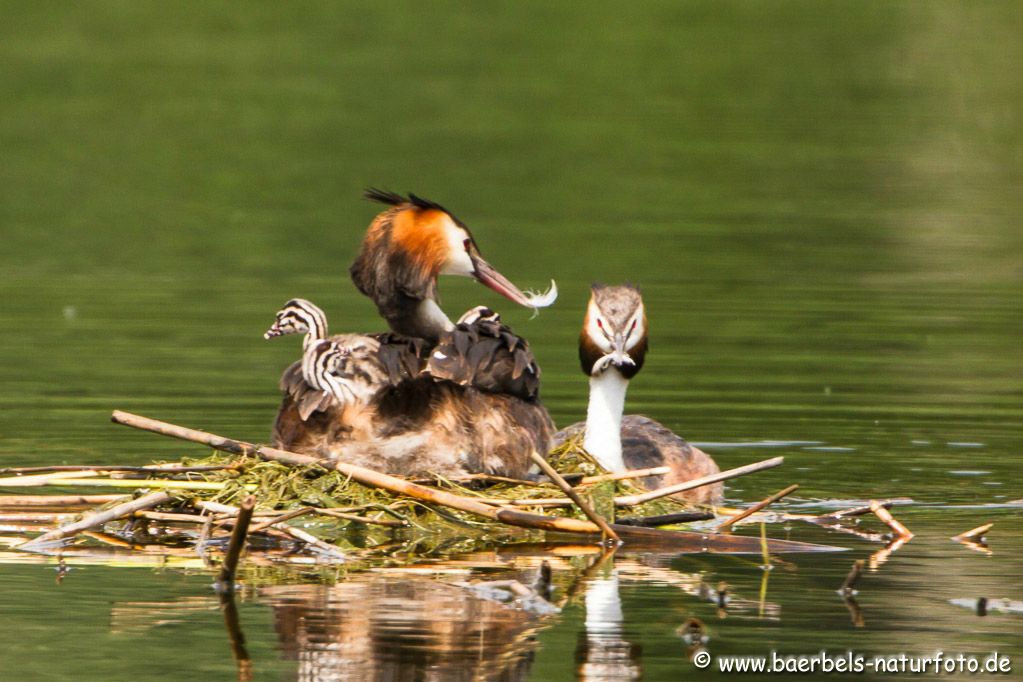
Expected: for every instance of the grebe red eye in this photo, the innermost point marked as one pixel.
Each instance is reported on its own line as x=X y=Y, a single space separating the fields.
x=466 y=243
x=633 y=327
x=600 y=325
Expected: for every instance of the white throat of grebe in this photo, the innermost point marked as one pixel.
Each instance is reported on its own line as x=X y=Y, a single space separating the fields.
x=603 y=437
x=297 y=316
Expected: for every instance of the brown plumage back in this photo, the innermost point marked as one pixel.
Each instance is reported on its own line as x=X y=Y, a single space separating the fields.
x=422 y=427
x=647 y=443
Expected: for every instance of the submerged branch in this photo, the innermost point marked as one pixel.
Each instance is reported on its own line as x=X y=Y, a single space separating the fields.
x=234 y=547
x=848 y=587
x=666 y=519
x=847 y=513
x=974 y=534
x=886 y=516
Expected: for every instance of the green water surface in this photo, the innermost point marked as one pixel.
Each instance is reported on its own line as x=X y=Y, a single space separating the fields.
x=821 y=201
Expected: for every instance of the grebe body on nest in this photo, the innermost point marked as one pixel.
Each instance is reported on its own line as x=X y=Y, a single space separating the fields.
x=612 y=348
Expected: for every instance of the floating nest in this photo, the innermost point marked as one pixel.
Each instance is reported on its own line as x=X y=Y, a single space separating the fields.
x=301 y=507
x=283 y=488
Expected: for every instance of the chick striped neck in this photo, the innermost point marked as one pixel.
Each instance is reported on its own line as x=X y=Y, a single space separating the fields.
x=603 y=437
x=317 y=324
x=318 y=365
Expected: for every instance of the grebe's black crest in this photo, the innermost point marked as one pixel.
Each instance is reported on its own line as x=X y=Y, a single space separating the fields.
x=383 y=196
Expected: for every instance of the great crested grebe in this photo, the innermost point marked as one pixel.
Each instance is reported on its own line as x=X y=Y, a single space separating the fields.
x=438 y=397
x=612 y=348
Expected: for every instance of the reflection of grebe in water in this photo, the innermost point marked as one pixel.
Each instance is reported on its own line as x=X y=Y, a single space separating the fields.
x=603 y=653
x=379 y=627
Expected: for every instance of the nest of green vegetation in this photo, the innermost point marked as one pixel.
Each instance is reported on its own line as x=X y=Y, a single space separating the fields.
x=281 y=488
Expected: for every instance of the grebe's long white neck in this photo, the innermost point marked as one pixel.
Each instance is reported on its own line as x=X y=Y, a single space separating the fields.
x=603 y=437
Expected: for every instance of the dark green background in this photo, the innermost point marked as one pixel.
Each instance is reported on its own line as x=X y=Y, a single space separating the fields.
x=821 y=202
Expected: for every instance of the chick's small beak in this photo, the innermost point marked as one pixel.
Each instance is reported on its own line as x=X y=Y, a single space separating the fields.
x=485 y=273
x=272 y=332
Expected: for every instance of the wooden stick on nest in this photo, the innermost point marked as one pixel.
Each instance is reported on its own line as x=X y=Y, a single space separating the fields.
x=98 y=519
x=630 y=500
x=592 y=515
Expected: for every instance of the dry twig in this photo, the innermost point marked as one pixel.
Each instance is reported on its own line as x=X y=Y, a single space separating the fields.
x=98 y=519
x=592 y=515
x=631 y=500
x=889 y=520
x=730 y=521
x=974 y=534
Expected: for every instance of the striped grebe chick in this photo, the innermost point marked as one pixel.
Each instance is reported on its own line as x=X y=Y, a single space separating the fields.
x=299 y=316
x=320 y=361
x=353 y=369
x=612 y=348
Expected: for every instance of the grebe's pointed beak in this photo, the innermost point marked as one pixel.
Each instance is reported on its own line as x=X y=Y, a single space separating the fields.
x=619 y=356
x=485 y=273
x=273 y=331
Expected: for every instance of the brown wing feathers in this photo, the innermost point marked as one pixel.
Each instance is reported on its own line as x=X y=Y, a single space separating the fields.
x=488 y=356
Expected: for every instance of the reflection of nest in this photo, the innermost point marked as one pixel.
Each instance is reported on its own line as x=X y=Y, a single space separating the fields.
x=376 y=627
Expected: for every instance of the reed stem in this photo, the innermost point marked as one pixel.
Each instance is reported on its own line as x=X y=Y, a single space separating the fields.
x=234 y=547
